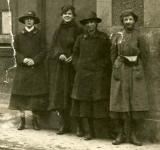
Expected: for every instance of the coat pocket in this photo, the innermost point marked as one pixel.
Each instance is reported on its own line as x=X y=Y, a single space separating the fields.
x=117 y=70
x=138 y=72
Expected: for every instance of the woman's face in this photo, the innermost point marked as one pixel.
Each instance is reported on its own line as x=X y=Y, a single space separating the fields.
x=68 y=16
x=29 y=22
x=91 y=25
x=128 y=22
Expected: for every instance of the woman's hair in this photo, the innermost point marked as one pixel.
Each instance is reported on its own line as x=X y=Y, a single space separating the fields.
x=65 y=8
x=128 y=13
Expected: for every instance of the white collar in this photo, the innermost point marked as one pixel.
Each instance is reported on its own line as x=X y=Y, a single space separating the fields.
x=29 y=29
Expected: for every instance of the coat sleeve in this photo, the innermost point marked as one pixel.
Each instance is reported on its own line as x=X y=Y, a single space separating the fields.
x=55 y=51
x=76 y=52
x=19 y=56
x=39 y=58
x=114 y=49
x=109 y=65
x=78 y=32
x=108 y=53
x=143 y=45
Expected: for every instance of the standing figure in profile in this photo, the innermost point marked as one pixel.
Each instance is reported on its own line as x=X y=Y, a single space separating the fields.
x=61 y=72
x=29 y=90
x=91 y=60
x=128 y=100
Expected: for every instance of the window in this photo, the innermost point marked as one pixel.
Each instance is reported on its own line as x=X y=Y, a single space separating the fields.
x=5 y=22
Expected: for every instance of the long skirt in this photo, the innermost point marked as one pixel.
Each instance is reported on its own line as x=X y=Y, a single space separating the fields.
x=32 y=103
x=89 y=109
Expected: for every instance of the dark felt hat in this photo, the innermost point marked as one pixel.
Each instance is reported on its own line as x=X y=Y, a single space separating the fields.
x=128 y=12
x=29 y=14
x=90 y=16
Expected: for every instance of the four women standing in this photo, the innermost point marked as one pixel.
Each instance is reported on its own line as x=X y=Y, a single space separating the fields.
x=88 y=83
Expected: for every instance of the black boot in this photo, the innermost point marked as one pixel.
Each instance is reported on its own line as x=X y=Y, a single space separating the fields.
x=35 y=122
x=121 y=135
x=67 y=121
x=111 y=134
x=61 y=124
x=91 y=132
x=133 y=138
x=61 y=130
x=21 y=125
x=127 y=128
x=80 y=130
x=119 y=140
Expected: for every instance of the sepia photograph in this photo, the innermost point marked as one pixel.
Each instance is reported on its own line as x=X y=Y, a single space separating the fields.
x=79 y=75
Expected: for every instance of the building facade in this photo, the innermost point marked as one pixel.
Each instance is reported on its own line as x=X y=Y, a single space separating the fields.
x=109 y=10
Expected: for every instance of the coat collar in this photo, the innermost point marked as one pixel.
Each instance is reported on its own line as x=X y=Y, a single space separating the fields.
x=124 y=31
x=29 y=29
x=95 y=35
x=34 y=31
x=69 y=24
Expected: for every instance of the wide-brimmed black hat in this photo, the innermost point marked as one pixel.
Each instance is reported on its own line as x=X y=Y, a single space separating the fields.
x=90 y=16
x=29 y=14
x=128 y=12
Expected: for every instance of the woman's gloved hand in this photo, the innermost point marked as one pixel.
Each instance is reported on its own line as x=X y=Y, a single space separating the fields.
x=62 y=57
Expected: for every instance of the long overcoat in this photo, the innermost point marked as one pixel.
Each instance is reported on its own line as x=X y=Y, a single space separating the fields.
x=61 y=74
x=128 y=84
x=91 y=59
x=30 y=80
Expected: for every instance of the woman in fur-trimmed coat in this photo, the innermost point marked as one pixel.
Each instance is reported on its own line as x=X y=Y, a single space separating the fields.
x=61 y=72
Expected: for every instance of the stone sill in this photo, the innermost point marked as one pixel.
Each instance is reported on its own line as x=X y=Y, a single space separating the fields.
x=5 y=38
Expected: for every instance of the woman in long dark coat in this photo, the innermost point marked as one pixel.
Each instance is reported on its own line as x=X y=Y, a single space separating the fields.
x=61 y=72
x=128 y=100
x=91 y=59
x=29 y=90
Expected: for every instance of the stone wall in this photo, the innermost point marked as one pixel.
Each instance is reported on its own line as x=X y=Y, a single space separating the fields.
x=121 y=5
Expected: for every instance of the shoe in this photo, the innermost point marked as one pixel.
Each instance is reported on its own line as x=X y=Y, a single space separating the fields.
x=35 y=124
x=21 y=125
x=80 y=129
x=119 y=140
x=64 y=127
x=61 y=131
x=88 y=137
x=134 y=140
x=80 y=132
x=91 y=131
